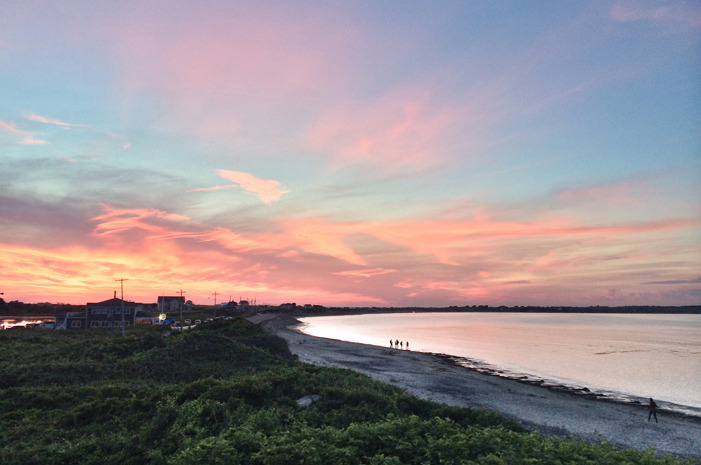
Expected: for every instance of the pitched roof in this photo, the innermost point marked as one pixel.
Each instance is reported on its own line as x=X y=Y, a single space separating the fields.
x=111 y=303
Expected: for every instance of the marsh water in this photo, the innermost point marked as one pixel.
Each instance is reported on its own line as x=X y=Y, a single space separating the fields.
x=628 y=357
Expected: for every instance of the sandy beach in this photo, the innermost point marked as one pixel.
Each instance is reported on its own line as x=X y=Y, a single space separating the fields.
x=547 y=411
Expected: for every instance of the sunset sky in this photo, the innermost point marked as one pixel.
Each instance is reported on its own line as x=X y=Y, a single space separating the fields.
x=353 y=153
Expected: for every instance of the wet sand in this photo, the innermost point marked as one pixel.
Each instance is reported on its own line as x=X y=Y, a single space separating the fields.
x=548 y=411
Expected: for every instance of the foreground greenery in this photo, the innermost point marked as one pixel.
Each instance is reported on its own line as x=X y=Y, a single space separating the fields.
x=226 y=393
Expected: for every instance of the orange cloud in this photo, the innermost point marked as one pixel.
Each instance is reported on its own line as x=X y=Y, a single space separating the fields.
x=307 y=259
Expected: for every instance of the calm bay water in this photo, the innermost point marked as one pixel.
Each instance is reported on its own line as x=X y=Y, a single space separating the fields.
x=630 y=357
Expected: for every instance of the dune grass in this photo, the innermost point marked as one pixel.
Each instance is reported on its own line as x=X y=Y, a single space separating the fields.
x=225 y=392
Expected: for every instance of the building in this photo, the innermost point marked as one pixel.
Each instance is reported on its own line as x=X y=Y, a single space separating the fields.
x=110 y=313
x=170 y=303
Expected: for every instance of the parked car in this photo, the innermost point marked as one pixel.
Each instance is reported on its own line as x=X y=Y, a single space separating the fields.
x=198 y=322
x=188 y=322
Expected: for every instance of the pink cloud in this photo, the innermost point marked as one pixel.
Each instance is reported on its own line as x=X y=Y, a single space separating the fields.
x=10 y=127
x=267 y=190
x=396 y=133
x=318 y=236
x=259 y=56
x=27 y=137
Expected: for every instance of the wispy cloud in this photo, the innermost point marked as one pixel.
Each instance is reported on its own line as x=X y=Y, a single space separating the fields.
x=10 y=127
x=32 y=141
x=626 y=191
x=366 y=273
x=267 y=190
x=116 y=220
x=678 y=13
x=43 y=119
x=677 y=281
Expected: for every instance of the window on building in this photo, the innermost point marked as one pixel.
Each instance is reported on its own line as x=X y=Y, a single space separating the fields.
x=105 y=324
x=94 y=324
x=76 y=324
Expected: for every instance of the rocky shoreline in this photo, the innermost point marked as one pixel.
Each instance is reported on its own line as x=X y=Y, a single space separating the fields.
x=548 y=409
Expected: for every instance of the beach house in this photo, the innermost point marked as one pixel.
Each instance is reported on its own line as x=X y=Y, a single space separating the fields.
x=168 y=303
x=107 y=314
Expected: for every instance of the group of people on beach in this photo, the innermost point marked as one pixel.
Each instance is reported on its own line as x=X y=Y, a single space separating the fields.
x=398 y=344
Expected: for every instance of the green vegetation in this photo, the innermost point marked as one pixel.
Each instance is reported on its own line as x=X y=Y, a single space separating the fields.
x=226 y=393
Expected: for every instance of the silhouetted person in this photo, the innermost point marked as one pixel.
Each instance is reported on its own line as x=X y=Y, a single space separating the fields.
x=391 y=346
x=396 y=343
x=401 y=345
x=407 y=345
x=652 y=410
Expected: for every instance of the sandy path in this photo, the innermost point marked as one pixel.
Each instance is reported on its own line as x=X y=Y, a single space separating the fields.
x=432 y=377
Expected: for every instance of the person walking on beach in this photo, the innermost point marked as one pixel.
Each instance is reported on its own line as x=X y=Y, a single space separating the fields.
x=652 y=410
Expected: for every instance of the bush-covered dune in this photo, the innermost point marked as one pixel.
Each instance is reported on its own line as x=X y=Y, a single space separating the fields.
x=226 y=393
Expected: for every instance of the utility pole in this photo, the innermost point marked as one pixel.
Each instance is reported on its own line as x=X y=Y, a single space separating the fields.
x=215 y=304
x=181 y=292
x=121 y=284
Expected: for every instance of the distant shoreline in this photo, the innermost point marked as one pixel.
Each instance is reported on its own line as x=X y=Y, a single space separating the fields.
x=44 y=310
x=642 y=310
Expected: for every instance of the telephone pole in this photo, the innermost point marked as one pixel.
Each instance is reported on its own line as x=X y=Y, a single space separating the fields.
x=215 y=304
x=121 y=284
x=182 y=304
